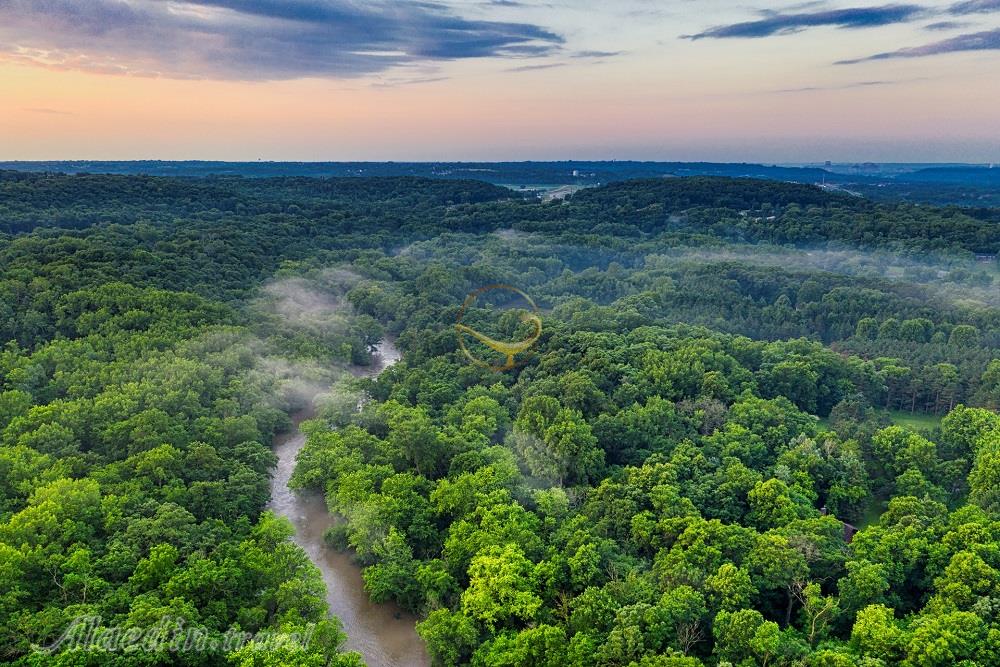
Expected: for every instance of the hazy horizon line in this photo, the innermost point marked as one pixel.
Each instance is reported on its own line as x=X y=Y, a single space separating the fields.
x=765 y=163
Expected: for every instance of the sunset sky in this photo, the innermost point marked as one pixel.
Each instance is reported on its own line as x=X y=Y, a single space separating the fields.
x=501 y=79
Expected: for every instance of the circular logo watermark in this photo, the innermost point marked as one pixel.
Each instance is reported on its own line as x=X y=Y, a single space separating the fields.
x=508 y=350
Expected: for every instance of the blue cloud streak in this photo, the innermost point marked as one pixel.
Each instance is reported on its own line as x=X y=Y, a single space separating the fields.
x=975 y=7
x=988 y=40
x=778 y=23
x=254 y=39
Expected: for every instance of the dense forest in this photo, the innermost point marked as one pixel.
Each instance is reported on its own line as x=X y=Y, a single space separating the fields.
x=759 y=428
x=965 y=185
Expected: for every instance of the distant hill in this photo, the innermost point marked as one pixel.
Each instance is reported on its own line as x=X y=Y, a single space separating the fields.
x=716 y=192
x=964 y=185
x=984 y=176
x=506 y=173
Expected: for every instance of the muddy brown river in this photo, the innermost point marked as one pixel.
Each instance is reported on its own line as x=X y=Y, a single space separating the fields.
x=383 y=633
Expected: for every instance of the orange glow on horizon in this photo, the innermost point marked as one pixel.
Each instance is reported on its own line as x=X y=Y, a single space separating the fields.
x=613 y=110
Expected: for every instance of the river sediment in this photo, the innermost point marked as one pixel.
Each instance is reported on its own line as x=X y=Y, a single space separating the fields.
x=383 y=633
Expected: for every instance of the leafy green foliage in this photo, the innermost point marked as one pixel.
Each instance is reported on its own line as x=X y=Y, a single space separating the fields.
x=665 y=481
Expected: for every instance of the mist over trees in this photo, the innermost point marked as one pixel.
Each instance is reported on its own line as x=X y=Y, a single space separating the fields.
x=733 y=376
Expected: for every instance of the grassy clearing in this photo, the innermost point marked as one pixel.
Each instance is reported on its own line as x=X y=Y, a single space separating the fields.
x=917 y=421
x=872 y=513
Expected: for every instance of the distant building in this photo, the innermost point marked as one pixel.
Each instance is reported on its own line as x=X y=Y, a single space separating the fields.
x=849 y=530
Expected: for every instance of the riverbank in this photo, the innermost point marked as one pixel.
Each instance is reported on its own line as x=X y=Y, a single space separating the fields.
x=383 y=633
